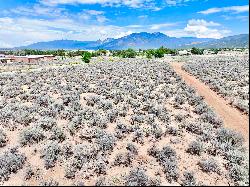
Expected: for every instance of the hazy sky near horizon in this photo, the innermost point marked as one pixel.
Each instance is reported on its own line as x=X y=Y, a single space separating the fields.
x=23 y=22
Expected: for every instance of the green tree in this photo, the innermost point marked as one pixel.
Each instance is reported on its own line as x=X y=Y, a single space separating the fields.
x=215 y=50
x=150 y=53
x=170 y=51
x=86 y=56
x=196 y=51
x=129 y=53
x=159 y=53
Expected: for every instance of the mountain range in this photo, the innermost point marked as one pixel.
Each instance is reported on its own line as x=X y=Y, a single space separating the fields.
x=144 y=40
x=241 y=41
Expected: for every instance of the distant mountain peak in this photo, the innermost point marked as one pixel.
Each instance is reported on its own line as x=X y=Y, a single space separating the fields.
x=236 y=41
x=144 y=40
x=159 y=34
x=107 y=40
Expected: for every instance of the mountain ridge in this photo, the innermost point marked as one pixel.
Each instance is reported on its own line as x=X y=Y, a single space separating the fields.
x=143 y=40
x=241 y=40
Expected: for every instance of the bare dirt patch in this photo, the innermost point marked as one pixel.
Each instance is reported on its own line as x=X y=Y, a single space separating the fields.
x=232 y=117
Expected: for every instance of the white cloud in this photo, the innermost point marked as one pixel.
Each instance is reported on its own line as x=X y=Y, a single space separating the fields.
x=57 y=2
x=162 y=25
x=94 y=12
x=202 y=22
x=122 y=34
x=99 y=15
x=135 y=26
x=38 y=10
x=101 y=19
x=233 y=9
x=23 y=31
x=176 y=33
x=155 y=8
x=149 y=4
x=92 y=15
x=5 y=45
x=171 y=2
x=42 y=11
x=204 y=29
x=241 y=18
x=152 y=27
x=177 y=2
x=129 y=3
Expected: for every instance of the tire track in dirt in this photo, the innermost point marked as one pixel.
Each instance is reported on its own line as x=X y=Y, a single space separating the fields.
x=232 y=118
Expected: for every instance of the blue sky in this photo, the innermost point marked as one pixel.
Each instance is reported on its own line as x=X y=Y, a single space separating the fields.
x=24 y=22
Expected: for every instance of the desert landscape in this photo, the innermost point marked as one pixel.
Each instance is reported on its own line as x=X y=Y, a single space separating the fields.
x=122 y=121
x=124 y=93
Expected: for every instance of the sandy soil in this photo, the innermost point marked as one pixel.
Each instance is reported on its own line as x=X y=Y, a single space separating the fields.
x=232 y=117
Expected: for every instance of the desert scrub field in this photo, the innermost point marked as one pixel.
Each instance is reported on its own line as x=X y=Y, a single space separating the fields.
x=227 y=75
x=126 y=122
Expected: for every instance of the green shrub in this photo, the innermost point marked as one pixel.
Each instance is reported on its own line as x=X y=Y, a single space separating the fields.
x=150 y=53
x=196 y=51
x=159 y=53
x=86 y=56
x=129 y=53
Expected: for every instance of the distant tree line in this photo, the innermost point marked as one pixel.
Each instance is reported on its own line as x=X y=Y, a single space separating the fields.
x=149 y=53
x=59 y=52
x=24 y=52
x=159 y=53
x=128 y=53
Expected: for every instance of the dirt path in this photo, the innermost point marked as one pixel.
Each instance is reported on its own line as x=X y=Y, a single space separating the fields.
x=232 y=118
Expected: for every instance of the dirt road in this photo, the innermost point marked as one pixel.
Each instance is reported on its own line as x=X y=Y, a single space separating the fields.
x=232 y=118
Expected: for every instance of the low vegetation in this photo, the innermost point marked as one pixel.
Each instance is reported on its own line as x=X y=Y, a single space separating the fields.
x=123 y=121
x=227 y=75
